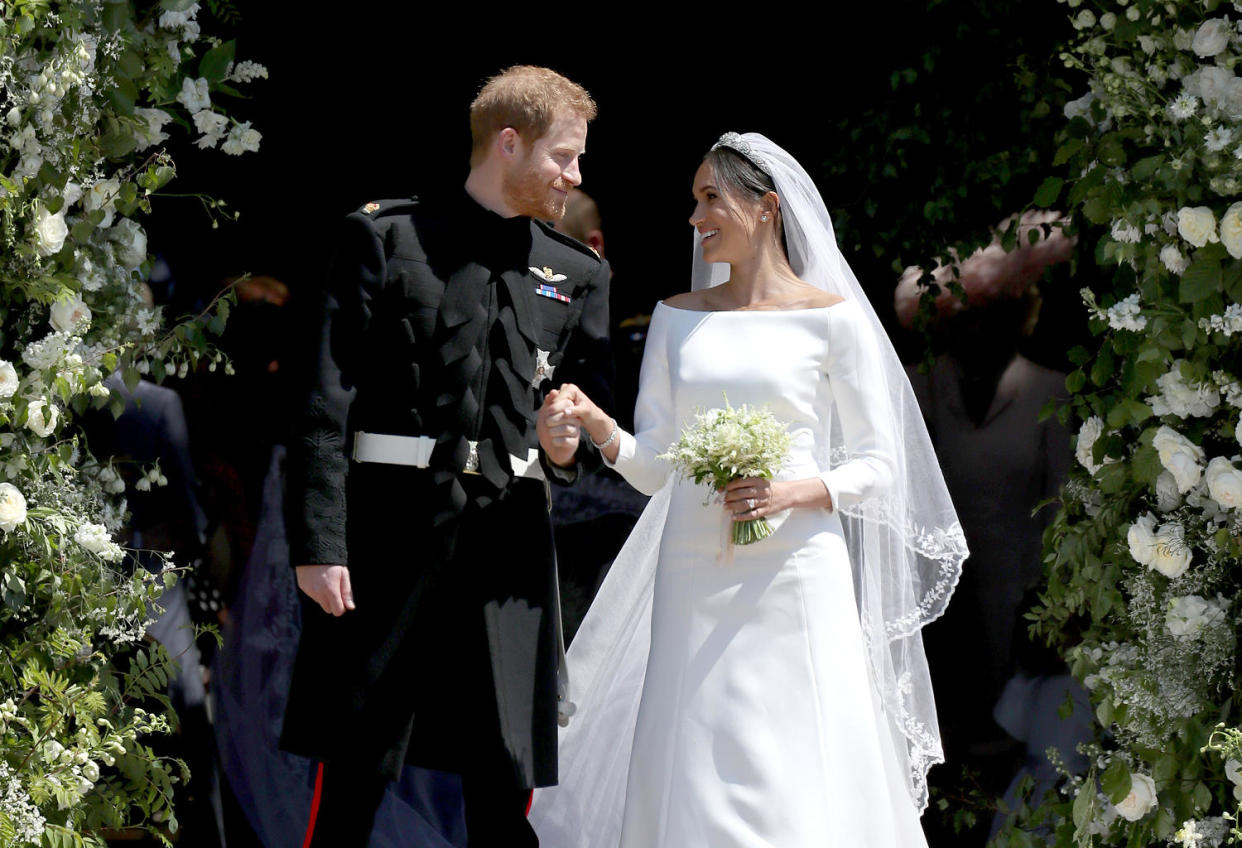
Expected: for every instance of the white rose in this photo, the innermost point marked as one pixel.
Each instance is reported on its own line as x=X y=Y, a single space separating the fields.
x=1180 y=457
x=1170 y=555
x=70 y=312
x=8 y=380
x=1168 y=497
x=1140 y=801
x=1141 y=537
x=194 y=95
x=1231 y=230
x=1212 y=37
x=102 y=195
x=1108 y=21
x=1233 y=771
x=50 y=231
x=1188 y=615
x=1173 y=259
x=1210 y=84
x=1085 y=19
x=1197 y=225
x=1231 y=101
x=1224 y=483
x=12 y=507
x=1087 y=436
x=1237 y=431
x=41 y=417
x=131 y=243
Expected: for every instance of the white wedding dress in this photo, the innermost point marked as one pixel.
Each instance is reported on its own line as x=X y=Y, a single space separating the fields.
x=759 y=724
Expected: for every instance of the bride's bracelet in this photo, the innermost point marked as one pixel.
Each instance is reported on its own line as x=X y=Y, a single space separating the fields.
x=607 y=441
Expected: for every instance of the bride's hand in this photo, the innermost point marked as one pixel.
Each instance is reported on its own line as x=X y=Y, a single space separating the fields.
x=755 y=497
x=594 y=420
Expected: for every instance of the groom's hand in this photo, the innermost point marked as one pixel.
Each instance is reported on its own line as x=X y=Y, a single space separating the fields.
x=558 y=432
x=328 y=586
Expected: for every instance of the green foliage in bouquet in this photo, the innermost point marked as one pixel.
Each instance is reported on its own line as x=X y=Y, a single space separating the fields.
x=1144 y=561
x=87 y=90
x=722 y=445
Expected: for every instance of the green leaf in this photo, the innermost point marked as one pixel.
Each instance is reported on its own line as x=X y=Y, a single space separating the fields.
x=1048 y=192
x=1066 y=151
x=1083 y=804
x=1075 y=382
x=1115 y=781
x=1201 y=279
x=216 y=61
x=1145 y=169
x=1145 y=465
x=1098 y=210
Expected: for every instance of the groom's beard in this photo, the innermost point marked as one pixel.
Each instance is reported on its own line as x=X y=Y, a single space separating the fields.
x=528 y=194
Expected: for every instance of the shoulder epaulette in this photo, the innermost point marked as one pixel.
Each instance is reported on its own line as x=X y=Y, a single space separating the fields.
x=380 y=208
x=568 y=241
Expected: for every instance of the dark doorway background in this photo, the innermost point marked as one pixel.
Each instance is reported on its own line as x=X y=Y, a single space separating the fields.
x=375 y=105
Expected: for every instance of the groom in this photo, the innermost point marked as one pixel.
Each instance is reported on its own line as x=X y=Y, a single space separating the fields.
x=418 y=500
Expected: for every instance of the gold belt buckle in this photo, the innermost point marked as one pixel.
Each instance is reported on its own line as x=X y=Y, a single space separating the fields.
x=472 y=458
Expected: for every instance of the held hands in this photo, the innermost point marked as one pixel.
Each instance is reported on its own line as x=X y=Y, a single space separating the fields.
x=755 y=497
x=599 y=425
x=328 y=586
x=557 y=428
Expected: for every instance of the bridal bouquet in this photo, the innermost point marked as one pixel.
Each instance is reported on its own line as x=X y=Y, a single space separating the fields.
x=728 y=444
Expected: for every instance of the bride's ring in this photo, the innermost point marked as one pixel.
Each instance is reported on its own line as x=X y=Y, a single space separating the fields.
x=750 y=502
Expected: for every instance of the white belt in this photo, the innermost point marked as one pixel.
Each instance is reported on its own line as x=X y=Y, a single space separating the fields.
x=416 y=451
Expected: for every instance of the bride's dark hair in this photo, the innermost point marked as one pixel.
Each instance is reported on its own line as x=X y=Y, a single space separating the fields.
x=743 y=180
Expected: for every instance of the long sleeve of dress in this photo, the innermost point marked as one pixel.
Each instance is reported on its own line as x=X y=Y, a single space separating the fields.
x=654 y=427
x=859 y=389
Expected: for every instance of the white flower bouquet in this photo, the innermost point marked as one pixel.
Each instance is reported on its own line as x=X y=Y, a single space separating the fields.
x=729 y=444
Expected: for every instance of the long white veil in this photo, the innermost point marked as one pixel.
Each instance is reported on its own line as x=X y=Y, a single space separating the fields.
x=906 y=549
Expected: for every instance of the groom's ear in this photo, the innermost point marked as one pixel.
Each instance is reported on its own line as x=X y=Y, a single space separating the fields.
x=509 y=144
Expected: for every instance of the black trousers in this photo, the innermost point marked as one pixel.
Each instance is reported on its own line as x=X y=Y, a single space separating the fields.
x=349 y=798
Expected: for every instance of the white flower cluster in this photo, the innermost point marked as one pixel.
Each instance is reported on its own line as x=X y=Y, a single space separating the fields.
x=1202 y=833
x=1228 y=323
x=244 y=72
x=1125 y=232
x=17 y=807
x=1189 y=615
x=96 y=539
x=1126 y=314
x=1181 y=398
x=730 y=443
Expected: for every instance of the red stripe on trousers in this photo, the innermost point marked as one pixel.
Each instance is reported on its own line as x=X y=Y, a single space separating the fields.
x=529 y=801
x=314 y=813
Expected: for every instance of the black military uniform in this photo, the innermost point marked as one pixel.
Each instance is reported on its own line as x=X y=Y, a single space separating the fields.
x=444 y=320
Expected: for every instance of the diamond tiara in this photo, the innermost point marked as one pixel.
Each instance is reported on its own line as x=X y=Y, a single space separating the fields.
x=733 y=141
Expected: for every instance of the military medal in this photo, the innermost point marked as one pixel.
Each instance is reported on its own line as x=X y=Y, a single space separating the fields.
x=545 y=290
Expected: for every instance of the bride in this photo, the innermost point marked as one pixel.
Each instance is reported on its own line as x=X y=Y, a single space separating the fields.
x=774 y=694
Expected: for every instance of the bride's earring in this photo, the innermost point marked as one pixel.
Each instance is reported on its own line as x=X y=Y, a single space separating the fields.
x=764 y=217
